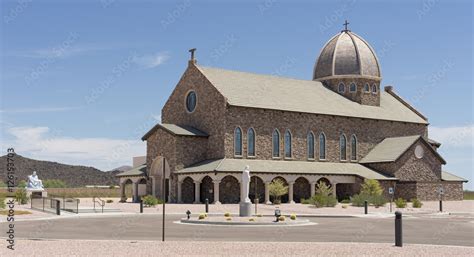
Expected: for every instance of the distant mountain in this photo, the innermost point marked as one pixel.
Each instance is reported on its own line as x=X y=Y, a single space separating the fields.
x=72 y=175
x=123 y=168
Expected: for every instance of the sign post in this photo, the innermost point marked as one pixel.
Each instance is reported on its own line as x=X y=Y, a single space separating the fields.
x=391 y=192
x=441 y=193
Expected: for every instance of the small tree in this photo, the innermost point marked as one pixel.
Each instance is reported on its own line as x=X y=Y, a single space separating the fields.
x=371 y=187
x=54 y=183
x=20 y=196
x=21 y=184
x=277 y=189
x=323 y=196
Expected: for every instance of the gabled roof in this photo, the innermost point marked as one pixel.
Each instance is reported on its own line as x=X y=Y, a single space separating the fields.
x=177 y=130
x=296 y=167
x=307 y=96
x=446 y=176
x=137 y=171
x=390 y=149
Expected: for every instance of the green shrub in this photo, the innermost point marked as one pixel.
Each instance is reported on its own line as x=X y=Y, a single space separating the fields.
x=377 y=200
x=305 y=201
x=293 y=216
x=21 y=184
x=151 y=201
x=371 y=187
x=2 y=184
x=416 y=203
x=320 y=200
x=277 y=189
x=401 y=203
x=20 y=196
x=358 y=200
x=281 y=218
x=54 y=183
x=109 y=201
x=345 y=201
x=251 y=219
x=226 y=214
x=2 y=202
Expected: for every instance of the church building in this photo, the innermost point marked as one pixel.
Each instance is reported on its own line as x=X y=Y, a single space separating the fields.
x=340 y=127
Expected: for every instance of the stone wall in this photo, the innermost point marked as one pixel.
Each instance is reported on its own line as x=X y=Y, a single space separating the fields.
x=360 y=96
x=429 y=191
x=368 y=132
x=208 y=115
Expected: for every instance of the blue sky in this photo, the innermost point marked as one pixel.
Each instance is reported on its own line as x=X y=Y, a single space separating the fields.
x=84 y=80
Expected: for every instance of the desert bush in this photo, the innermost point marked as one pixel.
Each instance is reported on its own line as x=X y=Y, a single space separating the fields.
x=109 y=201
x=54 y=183
x=20 y=196
x=401 y=203
x=251 y=219
x=151 y=201
x=377 y=200
x=371 y=187
x=259 y=215
x=228 y=219
x=293 y=216
x=305 y=201
x=2 y=202
x=21 y=184
x=202 y=216
x=416 y=203
x=227 y=214
x=359 y=199
x=323 y=196
x=277 y=189
x=2 y=184
x=281 y=218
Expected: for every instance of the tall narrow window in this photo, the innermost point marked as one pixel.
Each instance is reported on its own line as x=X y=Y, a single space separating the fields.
x=342 y=88
x=353 y=87
x=342 y=146
x=276 y=143
x=353 y=148
x=250 y=142
x=322 y=146
x=287 y=144
x=374 y=89
x=310 y=142
x=238 y=142
x=367 y=88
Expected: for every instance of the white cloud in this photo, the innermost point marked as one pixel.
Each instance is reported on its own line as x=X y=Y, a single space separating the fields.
x=458 y=136
x=45 y=144
x=41 y=109
x=151 y=61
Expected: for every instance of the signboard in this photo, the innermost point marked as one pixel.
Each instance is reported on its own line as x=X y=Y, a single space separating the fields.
x=441 y=191
x=390 y=190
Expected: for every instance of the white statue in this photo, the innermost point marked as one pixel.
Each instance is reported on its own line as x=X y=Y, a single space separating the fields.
x=34 y=182
x=245 y=185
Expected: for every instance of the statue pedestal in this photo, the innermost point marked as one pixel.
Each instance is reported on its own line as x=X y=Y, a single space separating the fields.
x=36 y=193
x=245 y=209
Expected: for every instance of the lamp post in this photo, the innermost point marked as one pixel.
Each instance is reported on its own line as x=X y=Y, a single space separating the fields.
x=256 y=196
x=188 y=213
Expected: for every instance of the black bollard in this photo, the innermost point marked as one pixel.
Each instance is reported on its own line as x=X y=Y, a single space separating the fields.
x=440 y=205
x=141 y=206
x=58 y=207
x=398 y=229
x=366 y=206
x=207 y=205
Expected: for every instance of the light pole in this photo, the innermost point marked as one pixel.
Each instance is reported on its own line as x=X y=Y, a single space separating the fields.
x=256 y=196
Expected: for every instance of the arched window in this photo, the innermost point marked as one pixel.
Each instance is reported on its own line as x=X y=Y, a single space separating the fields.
x=238 y=141
x=367 y=88
x=353 y=148
x=276 y=143
x=322 y=146
x=374 y=89
x=250 y=142
x=287 y=144
x=342 y=147
x=310 y=142
x=353 y=87
x=341 y=88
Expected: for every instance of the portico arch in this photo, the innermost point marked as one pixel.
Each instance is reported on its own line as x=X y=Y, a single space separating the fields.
x=284 y=198
x=187 y=190
x=207 y=189
x=301 y=189
x=229 y=190
x=127 y=189
x=158 y=166
x=256 y=183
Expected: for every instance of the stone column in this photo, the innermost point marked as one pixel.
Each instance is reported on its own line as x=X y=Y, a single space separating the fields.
x=267 y=193
x=180 y=183
x=290 y=192
x=197 y=192
x=216 y=191
x=135 y=192
x=124 y=197
x=334 y=192
x=313 y=188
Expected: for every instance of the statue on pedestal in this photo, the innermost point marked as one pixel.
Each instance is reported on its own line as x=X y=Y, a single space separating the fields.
x=34 y=183
x=245 y=209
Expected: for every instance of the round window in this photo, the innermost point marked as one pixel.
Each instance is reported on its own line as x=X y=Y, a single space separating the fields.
x=191 y=101
x=419 y=151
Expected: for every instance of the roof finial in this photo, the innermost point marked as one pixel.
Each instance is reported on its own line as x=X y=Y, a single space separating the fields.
x=345 y=26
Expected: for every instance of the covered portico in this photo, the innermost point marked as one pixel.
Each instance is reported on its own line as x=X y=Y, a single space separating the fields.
x=137 y=178
x=220 y=180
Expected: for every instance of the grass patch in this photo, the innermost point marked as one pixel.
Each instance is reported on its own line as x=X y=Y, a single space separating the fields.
x=5 y=212
x=468 y=195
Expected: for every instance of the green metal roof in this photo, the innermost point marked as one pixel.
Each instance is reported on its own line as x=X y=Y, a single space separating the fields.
x=446 y=176
x=137 y=171
x=276 y=166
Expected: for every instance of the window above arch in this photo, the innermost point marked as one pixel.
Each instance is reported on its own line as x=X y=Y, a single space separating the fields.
x=251 y=142
x=353 y=87
x=341 y=88
x=238 y=141
x=353 y=148
x=275 y=143
x=287 y=144
x=322 y=146
x=342 y=147
x=310 y=145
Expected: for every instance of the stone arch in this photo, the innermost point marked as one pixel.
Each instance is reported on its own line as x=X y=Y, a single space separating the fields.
x=325 y=180
x=260 y=187
x=156 y=173
x=127 y=189
x=229 y=190
x=187 y=190
x=207 y=189
x=301 y=189
x=284 y=198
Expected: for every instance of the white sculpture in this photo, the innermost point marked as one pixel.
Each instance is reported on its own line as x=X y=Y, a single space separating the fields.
x=34 y=182
x=245 y=185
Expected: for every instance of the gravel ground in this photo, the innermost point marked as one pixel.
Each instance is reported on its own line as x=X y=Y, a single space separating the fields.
x=186 y=248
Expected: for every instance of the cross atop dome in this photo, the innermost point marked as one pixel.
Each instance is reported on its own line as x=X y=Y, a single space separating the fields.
x=345 y=26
